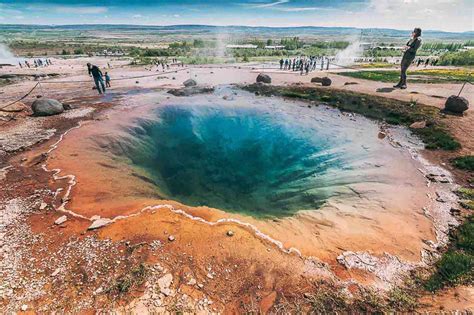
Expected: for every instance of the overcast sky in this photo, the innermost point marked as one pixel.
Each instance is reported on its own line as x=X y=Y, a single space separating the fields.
x=446 y=15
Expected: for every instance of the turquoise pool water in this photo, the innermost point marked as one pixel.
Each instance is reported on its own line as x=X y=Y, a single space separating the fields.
x=263 y=161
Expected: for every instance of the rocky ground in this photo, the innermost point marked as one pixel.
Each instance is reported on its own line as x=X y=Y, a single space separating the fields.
x=52 y=260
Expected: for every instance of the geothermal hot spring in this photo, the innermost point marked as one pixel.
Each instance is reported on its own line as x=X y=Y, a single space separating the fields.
x=264 y=158
x=313 y=178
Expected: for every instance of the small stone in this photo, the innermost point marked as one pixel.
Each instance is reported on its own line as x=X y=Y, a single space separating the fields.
x=230 y=233
x=60 y=220
x=24 y=307
x=455 y=211
x=164 y=284
x=43 y=206
x=99 y=223
x=418 y=125
x=56 y=272
x=171 y=238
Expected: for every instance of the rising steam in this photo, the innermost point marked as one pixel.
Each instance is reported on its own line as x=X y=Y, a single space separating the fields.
x=6 y=56
x=347 y=56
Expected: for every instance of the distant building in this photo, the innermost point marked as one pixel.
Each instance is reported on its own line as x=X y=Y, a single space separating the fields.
x=275 y=47
x=366 y=46
x=246 y=46
x=466 y=48
x=113 y=53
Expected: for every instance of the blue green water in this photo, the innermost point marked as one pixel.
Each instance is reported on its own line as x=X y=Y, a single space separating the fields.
x=258 y=161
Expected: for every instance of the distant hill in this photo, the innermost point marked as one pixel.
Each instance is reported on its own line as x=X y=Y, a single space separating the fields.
x=302 y=31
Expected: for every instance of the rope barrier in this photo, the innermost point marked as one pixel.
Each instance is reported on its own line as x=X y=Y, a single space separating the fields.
x=83 y=81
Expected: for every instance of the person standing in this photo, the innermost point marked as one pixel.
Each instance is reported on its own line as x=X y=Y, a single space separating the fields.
x=97 y=75
x=408 y=56
x=281 y=63
x=107 y=79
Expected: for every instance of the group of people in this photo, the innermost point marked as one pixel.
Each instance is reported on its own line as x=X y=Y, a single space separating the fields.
x=36 y=62
x=426 y=62
x=98 y=77
x=304 y=64
x=165 y=65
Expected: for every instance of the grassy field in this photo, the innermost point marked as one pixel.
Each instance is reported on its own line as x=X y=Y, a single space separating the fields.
x=416 y=76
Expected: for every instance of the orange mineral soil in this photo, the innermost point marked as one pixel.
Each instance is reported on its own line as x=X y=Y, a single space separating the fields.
x=388 y=221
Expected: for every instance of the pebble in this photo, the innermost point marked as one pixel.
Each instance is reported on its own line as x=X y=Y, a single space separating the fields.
x=43 y=206
x=171 y=238
x=230 y=233
x=24 y=307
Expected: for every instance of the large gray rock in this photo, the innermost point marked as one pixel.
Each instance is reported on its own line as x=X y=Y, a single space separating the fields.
x=46 y=107
x=189 y=82
x=456 y=104
x=264 y=78
x=325 y=81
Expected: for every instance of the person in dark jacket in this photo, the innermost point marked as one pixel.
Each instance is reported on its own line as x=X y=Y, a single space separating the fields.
x=97 y=75
x=408 y=56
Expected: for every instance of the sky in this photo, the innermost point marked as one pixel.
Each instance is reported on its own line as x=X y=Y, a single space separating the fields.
x=445 y=15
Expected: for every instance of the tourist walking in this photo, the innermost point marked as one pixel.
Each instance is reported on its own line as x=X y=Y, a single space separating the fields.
x=96 y=74
x=408 y=56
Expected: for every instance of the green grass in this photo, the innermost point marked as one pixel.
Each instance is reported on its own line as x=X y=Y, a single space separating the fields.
x=464 y=162
x=414 y=76
x=457 y=264
x=435 y=135
x=134 y=278
x=453 y=268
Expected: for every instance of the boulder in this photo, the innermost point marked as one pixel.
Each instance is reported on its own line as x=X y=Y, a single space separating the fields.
x=264 y=78
x=325 y=81
x=189 y=82
x=456 y=104
x=46 y=107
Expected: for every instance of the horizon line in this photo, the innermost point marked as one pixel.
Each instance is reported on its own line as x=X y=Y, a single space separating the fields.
x=230 y=25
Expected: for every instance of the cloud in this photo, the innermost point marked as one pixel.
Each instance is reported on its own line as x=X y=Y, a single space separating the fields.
x=80 y=9
x=137 y=16
x=302 y=9
x=271 y=4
